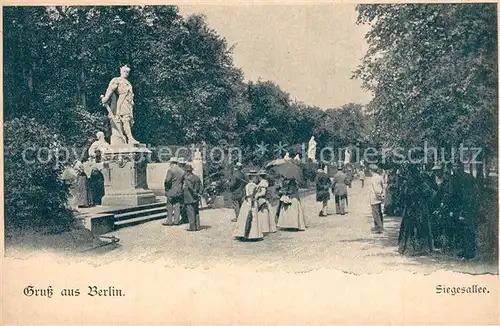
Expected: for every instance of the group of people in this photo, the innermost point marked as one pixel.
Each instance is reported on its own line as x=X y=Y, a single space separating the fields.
x=183 y=191
x=438 y=208
x=338 y=184
x=251 y=199
x=438 y=205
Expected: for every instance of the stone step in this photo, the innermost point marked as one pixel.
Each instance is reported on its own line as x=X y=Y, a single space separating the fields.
x=136 y=208
x=139 y=213
x=139 y=220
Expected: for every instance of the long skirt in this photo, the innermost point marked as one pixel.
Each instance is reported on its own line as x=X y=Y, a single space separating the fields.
x=415 y=235
x=247 y=225
x=266 y=220
x=291 y=216
x=80 y=192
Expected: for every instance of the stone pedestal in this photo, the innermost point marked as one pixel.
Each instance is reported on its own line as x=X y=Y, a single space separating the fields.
x=125 y=182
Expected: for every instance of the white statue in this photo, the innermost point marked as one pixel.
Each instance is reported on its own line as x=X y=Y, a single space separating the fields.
x=198 y=164
x=297 y=157
x=100 y=145
x=311 y=151
x=347 y=155
x=287 y=156
x=121 y=110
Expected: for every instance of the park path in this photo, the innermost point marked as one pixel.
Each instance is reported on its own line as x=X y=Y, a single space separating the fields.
x=335 y=242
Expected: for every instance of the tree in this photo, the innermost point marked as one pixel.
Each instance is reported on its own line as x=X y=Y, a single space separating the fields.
x=433 y=72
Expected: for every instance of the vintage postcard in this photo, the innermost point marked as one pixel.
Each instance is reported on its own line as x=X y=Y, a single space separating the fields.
x=228 y=163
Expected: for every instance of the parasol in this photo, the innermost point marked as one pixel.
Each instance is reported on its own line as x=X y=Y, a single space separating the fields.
x=285 y=168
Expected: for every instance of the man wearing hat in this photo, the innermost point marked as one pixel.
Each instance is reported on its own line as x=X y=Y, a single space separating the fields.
x=339 y=189
x=174 y=192
x=237 y=185
x=182 y=163
x=192 y=192
x=376 y=198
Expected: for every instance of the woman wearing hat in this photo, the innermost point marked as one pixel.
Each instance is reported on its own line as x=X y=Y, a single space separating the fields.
x=266 y=221
x=247 y=225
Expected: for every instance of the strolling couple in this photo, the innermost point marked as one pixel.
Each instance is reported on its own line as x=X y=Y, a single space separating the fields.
x=339 y=189
x=182 y=188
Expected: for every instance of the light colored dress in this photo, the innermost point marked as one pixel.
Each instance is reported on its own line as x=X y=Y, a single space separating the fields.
x=266 y=220
x=247 y=225
x=291 y=212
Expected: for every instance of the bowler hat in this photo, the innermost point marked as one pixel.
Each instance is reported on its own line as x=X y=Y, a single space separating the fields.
x=262 y=172
x=253 y=172
x=174 y=160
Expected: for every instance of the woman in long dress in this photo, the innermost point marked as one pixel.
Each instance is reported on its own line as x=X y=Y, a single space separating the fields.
x=96 y=184
x=79 y=187
x=415 y=236
x=266 y=220
x=247 y=225
x=291 y=212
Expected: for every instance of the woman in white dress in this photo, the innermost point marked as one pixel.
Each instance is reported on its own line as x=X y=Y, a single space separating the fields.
x=247 y=225
x=266 y=220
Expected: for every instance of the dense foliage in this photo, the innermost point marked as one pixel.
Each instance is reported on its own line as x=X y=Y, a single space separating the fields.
x=433 y=72
x=34 y=197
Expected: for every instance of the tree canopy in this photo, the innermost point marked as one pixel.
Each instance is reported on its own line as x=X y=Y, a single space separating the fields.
x=433 y=72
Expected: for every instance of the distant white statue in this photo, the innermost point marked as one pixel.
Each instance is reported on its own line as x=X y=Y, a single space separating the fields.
x=197 y=164
x=297 y=157
x=287 y=156
x=311 y=151
x=347 y=155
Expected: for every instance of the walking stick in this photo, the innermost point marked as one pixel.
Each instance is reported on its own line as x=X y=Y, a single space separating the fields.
x=114 y=120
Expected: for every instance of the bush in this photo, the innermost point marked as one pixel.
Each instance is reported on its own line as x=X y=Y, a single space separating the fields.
x=35 y=199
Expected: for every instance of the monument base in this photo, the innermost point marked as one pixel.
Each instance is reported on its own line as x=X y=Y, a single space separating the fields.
x=125 y=181
x=130 y=198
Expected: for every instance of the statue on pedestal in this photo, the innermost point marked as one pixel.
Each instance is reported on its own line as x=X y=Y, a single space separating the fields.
x=125 y=168
x=311 y=151
x=121 y=111
x=347 y=156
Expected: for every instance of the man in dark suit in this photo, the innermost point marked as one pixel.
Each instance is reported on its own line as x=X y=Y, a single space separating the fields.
x=192 y=192
x=237 y=187
x=182 y=164
x=174 y=192
x=339 y=189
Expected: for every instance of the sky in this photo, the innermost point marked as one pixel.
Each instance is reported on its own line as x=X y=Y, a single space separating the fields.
x=310 y=51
